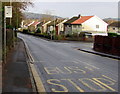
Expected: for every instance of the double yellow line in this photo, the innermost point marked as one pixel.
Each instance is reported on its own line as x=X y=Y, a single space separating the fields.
x=37 y=79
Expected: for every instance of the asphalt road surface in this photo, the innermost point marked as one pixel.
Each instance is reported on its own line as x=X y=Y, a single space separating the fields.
x=63 y=68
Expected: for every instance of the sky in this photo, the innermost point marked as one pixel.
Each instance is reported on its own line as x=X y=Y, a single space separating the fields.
x=70 y=9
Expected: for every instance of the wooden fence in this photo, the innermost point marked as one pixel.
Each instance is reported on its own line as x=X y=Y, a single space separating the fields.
x=106 y=44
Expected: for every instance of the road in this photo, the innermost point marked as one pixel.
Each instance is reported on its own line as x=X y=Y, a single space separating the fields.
x=63 y=68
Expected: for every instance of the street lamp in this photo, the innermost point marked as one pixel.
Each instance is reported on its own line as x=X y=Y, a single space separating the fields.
x=10 y=5
x=53 y=26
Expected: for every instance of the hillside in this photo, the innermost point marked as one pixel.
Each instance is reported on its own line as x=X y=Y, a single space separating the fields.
x=29 y=15
x=111 y=20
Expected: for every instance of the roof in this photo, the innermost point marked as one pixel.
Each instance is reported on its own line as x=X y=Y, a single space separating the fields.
x=55 y=22
x=35 y=23
x=46 y=23
x=28 y=24
x=82 y=19
x=62 y=22
x=71 y=20
x=115 y=24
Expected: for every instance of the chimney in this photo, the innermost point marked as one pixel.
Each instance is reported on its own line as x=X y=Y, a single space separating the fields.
x=79 y=16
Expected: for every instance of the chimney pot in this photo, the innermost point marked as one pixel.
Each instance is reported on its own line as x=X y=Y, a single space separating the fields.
x=79 y=16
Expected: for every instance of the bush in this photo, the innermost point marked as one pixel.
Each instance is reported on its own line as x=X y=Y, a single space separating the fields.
x=112 y=34
x=68 y=35
x=25 y=31
x=82 y=34
x=9 y=26
x=75 y=35
x=58 y=37
x=38 y=30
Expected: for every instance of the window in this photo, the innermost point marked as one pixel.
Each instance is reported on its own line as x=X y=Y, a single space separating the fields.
x=79 y=26
x=113 y=28
x=97 y=26
x=118 y=31
x=74 y=26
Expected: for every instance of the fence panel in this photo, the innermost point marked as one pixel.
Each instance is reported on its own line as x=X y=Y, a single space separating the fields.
x=106 y=44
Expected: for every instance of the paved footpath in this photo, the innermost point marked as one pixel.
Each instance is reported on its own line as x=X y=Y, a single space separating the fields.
x=16 y=76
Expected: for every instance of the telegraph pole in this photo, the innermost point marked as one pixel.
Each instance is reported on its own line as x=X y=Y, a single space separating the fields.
x=4 y=39
x=13 y=34
x=7 y=14
x=10 y=5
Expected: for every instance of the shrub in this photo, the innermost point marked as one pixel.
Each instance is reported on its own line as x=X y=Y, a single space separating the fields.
x=68 y=35
x=9 y=26
x=58 y=37
x=82 y=34
x=38 y=30
x=25 y=31
x=75 y=35
x=112 y=34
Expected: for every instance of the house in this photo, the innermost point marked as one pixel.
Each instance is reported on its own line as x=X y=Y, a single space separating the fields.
x=68 y=25
x=40 y=27
x=53 y=26
x=25 y=25
x=90 y=24
x=44 y=27
x=60 y=27
x=33 y=27
x=114 y=27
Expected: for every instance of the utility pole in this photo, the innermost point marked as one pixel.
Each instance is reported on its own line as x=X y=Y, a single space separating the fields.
x=13 y=34
x=54 y=27
x=10 y=5
x=7 y=14
x=4 y=40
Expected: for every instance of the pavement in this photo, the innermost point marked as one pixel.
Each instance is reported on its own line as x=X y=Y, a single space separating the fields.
x=0 y=77
x=90 y=50
x=16 y=75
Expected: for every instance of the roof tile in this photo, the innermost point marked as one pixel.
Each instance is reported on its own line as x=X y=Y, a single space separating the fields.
x=82 y=19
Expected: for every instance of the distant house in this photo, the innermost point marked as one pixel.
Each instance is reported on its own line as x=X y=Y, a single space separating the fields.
x=54 y=26
x=26 y=25
x=40 y=27
x=114 y=27
x=91 y=24
x=44 y=27
x=33 y=27
x=68 y=25
x=60 y=27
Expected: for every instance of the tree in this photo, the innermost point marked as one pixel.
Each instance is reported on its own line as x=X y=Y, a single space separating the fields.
x=18 y=8
x=8 y=37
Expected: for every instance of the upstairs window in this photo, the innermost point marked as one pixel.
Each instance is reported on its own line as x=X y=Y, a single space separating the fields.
x=74 y=26
x=113 y=28
x=97 y=26
x=79 y=26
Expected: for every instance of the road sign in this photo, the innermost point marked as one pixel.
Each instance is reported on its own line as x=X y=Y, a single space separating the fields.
x=8 y=11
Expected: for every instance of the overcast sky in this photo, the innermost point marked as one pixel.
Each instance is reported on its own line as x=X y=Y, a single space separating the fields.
x=70 y=9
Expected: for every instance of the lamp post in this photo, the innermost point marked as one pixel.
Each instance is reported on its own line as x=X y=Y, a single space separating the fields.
x=7 y=14
x=53 y=26
x=10 y=5
x=13 y=34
